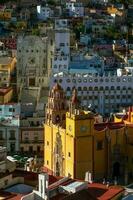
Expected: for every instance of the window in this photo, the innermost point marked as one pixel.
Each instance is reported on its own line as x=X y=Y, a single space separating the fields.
x=1 y=134
x=68 y=89
x=47 y=143
x=79 y=88
x=68 y=80
x=38 y=149
x=101 y=88
x=12 y=134
x=124 y=79
x=11 y=109
x=69 y=154
x=85 y=80
x=112 y=88
x=47 y=162
x=36 y=138
x=62 y=44
x=26 y=139
x=30 y=148
x=51 y=42
x=22 y=149
x=99 y=145
x=85 y=88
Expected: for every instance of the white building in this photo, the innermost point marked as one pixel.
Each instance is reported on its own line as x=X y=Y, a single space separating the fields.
x=86 y=63
x=62 y=46
x=104 y=93
x=9 y=126
x=75 y=9
x=43 y=12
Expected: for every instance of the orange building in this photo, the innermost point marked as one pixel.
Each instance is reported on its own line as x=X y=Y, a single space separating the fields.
x=6 y=95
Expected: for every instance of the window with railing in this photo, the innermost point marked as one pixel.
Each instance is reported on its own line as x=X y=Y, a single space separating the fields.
x=1 y=135
x=12 y=135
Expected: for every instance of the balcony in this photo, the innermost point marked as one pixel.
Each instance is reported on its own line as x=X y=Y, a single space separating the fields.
x=2 y=139
x=12 y=138
x=32 y=141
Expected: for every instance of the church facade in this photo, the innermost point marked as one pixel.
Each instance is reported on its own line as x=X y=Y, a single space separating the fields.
x=75 y=143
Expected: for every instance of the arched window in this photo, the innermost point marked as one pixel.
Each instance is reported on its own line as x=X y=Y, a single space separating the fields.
x=79 y=88
x=63 y=107
x=63 y=117
x=68 y=89
x=85 y=88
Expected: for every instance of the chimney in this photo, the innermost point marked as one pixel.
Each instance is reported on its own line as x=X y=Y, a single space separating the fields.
x=107 y=184
x=88 y=177
x=43 y=184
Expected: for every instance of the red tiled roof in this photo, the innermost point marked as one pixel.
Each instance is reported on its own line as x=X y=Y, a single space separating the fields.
x=17 y=197
x=111 y=193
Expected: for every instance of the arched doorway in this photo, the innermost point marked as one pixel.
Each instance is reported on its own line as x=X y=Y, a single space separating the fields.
x=116 y=169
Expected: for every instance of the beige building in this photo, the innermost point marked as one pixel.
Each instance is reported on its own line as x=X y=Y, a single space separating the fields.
x=34 y=62
x=31 y=141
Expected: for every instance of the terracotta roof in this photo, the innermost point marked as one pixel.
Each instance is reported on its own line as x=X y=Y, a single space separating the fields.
x=111 y=193
x=4 y=91
x=109 y=125
x=95 y=191
x=10 y=196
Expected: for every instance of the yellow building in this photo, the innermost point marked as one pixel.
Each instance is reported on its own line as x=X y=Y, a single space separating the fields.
x=5 y=15
x=126 y=117
x=7 y=66
x=75 y=144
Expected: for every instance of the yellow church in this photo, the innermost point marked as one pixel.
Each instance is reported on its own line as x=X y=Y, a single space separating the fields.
x=74 y=143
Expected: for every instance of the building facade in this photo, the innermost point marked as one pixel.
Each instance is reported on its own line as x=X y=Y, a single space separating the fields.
x=62 y=46
x=9 y=126
x=105 y=94
x=76 y=144
x=43 y=12
x=32 y=65
x=7 y=67
x=34 y=55
x=31 y=141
